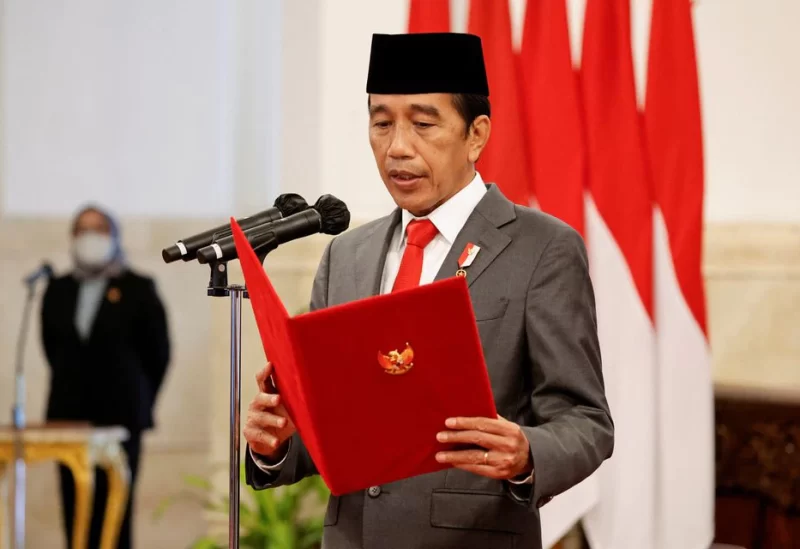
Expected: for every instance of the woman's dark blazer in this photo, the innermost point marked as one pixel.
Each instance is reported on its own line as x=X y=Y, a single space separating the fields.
x=114 y=376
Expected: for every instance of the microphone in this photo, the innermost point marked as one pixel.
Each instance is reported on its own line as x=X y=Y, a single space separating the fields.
x=46 y=270
x=328 y=216
x=186 y=249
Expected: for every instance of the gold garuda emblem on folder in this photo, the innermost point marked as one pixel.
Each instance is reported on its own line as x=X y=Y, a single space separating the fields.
x=397 y=363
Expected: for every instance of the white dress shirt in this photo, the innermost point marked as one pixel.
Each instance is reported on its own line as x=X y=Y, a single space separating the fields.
x=449 y=219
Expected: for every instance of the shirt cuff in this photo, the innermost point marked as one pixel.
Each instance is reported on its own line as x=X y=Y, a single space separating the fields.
x=521 y=490
x=526 y=480
x=270 y=467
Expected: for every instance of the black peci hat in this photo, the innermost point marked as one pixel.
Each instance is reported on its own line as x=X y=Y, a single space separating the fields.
x=443 y=62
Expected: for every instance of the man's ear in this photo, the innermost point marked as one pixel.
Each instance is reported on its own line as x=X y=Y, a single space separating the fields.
x=478 y=136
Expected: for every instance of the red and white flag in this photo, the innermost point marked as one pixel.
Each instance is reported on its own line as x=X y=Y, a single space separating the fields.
x=632 y=184
x=429 y=16
x=685 y=390
x=556 y=155
x=504 y=160
x=552 y=112
x=619 y=231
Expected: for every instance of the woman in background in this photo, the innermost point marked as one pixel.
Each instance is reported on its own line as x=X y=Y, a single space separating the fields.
x=104 y=331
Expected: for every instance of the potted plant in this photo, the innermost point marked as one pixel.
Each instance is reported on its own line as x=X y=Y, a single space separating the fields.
x=288 y=517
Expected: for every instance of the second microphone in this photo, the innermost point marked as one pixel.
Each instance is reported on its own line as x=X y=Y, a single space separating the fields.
x=328 y=216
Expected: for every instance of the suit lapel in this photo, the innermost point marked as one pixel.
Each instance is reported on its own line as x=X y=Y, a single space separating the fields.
x=482 y=228
x=371 y=256
x=111 y=295
x=70 y=306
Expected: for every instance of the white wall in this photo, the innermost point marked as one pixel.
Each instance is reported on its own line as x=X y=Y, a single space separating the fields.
x=347 y=164
x=750 y=79
x=749 y=85
x=157 y=108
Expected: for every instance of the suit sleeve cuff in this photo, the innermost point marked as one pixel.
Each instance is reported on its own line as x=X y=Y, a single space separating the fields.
x=270 y=468
x=521 y=493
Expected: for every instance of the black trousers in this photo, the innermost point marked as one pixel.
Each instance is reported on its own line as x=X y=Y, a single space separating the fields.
x=131 y=447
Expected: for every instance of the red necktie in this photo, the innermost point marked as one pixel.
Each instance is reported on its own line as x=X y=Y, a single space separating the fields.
x=419 y=234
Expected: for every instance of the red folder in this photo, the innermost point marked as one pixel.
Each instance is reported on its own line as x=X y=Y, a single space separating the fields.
x=369 y=383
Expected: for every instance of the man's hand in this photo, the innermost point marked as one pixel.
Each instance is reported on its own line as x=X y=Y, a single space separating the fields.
x=268 y=424
x=504 y=452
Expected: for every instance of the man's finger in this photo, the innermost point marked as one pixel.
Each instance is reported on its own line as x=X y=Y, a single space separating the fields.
x=265 y=401
x=261 y=441
x=261 y=378
x=484 y=424
x=479 y=461
x=483 y=439
x=469 y=457
x=265 y=420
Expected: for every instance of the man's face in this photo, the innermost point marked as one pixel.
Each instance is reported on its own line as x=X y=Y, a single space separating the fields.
x=423 y=151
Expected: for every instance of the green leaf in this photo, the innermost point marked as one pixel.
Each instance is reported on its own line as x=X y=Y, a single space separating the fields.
x=184 y=495
x=218 y=505
x=267 y=507
x=206 y=543
x=198 y=482
x=161 y=508
x=310 y=534
x=252 y=540
x=245 y=510
x=283 y=535
x=287 y=506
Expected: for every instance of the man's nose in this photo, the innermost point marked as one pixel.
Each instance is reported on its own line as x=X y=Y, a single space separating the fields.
x=400 y=147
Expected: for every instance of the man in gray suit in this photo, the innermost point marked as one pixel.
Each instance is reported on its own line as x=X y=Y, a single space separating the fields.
x=533 y=302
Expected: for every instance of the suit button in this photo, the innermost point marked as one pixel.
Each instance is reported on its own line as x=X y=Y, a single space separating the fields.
x=374 y=491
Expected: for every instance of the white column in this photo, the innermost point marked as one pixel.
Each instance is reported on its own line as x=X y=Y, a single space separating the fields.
x=301 y=101
x=255 y=103
x=325 y=60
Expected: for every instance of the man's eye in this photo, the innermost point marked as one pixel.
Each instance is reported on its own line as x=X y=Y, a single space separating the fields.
x=382 y=124
x=423 y=124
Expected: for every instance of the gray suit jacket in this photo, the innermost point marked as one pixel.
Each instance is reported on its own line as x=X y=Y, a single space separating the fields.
x=534 y=305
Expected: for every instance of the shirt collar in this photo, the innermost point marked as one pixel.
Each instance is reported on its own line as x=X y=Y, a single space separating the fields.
x=450 y=217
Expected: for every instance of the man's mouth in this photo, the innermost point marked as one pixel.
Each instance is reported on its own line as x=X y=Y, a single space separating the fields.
x=403 y=178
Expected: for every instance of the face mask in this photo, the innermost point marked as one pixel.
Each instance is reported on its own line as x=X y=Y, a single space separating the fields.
x=94 y=250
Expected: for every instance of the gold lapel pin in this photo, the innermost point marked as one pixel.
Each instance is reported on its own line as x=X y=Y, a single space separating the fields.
x=114 y=295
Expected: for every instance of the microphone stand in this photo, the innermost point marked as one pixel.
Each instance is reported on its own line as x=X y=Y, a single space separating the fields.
x=18 y=421
x=218 y=287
